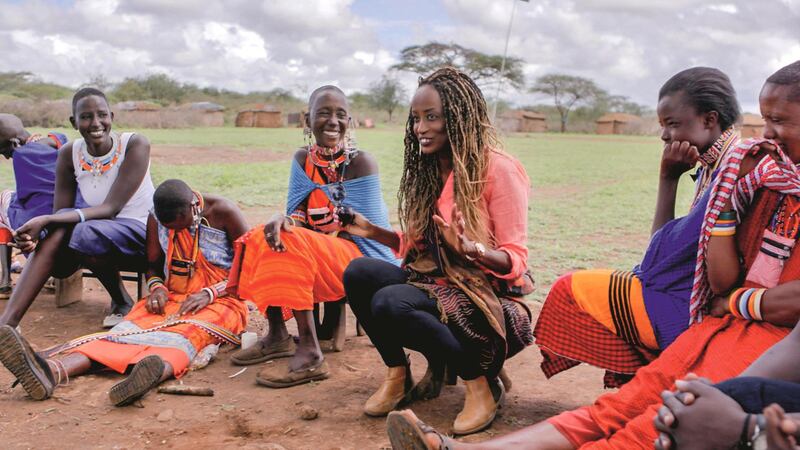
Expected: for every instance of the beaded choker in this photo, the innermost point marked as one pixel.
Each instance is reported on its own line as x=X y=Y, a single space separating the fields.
x=710 y=157
x=99 y=165
x=329 y=166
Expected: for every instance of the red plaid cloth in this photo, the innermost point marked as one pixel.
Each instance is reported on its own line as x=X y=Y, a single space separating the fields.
x=568 y=336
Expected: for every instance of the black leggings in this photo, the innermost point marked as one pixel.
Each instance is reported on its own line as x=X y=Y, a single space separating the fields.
x=755 y=394
x=397 y=315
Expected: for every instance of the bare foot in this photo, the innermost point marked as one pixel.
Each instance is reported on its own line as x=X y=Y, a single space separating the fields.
x=305 y=357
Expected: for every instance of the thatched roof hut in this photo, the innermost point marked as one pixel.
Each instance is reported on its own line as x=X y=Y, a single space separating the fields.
x=206 y=114
x=138 y=114
x=752 y=126
x=523 y=121
x=260 y=116
x=616 y=123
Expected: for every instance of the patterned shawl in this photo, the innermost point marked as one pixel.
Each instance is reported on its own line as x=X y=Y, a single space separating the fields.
x=780 y=176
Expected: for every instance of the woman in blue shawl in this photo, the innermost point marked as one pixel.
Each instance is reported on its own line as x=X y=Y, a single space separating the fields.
x=297 y=259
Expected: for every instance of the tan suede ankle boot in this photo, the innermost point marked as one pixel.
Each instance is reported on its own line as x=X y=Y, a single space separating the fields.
x=397 y=384
x=479 y=408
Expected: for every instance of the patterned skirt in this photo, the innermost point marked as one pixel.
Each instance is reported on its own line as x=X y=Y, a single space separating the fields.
x=472 y=329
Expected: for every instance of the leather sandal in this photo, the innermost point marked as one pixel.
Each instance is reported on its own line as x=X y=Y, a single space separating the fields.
x=278 y=375
x=30 y=369
x=259 y=352
x=409 y=434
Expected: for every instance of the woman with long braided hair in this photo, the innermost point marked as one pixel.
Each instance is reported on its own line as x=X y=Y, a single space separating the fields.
x=463 y=210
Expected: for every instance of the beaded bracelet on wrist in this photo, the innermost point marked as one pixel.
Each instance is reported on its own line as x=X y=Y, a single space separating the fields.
x=745 y=303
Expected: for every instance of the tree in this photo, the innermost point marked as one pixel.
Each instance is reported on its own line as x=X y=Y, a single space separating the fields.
x=482 y=68
x=159 y=88
x=567 y=91
x=98 y=81
x=386 y=95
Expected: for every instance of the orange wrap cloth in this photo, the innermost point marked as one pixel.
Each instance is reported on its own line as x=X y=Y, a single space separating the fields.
x=226 y=312
x=716 y=348
x=308 y=272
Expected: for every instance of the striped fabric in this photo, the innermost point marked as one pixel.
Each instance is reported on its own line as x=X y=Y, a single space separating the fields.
x=619 y=303
x=780 y=176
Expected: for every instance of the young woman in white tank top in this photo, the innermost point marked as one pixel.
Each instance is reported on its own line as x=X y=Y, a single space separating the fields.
x=96 y=175
x=111 y=172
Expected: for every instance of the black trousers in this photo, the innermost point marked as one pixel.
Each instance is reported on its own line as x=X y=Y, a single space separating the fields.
x=755 y=394
x=397 y=315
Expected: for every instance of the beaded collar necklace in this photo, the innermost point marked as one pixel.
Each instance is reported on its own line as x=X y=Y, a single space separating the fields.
x=99 y=165
x=330 y=166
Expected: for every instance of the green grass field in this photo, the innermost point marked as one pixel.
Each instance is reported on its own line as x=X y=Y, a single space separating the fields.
x=592 y=203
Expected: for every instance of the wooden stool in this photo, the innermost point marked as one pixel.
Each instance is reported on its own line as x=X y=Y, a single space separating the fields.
x=70 y=290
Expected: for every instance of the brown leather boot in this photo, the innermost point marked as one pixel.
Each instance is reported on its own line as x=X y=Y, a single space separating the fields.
x=479 y=408
x=395 y=388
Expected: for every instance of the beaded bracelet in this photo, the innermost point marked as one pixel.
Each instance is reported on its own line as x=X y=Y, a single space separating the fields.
x=153 y=280
x=212 y=294
x=725 y=224
x=745 y=303
x=157 y=286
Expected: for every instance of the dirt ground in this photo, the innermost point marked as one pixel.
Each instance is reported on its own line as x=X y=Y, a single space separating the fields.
x=242 y=414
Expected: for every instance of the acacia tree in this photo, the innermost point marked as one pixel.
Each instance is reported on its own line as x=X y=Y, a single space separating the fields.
x=567 y=91
x=386 y=95
x=482 y=68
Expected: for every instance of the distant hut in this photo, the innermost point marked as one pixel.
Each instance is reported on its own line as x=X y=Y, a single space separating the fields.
x=616 y=123
x=297 y=119
x=752 y=126
x=138 y=114
x=207 y=114
x=523 y=121
x=261 y=116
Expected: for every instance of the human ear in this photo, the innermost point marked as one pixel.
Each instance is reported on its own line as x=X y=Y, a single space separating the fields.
x=711 y=119
x=72 y=121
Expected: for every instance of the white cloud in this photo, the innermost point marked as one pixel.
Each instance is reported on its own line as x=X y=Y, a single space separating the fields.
x=629 y=47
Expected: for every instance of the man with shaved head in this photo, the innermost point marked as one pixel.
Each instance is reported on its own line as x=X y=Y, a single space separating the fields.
x=34 y=159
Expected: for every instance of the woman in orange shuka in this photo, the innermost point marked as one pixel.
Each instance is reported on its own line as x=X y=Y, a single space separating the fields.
x=189 y=251
x=297 y=259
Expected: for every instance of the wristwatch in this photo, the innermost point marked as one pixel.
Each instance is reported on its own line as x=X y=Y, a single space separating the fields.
x=759 y=439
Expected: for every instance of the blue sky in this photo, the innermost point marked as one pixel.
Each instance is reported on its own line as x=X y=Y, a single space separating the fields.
x=629 y=47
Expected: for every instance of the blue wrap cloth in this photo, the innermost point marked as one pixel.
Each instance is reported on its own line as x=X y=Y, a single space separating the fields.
x=667 y=272
x=363 y=194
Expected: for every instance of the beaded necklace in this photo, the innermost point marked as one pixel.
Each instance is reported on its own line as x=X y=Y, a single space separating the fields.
x=786 y=221
x=329 y=166
x=99 y=165
x=711 y=159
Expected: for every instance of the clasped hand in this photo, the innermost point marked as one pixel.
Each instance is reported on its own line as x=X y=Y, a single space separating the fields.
x=26 y=237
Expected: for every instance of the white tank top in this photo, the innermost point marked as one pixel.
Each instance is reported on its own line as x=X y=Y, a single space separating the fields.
x=95 y=176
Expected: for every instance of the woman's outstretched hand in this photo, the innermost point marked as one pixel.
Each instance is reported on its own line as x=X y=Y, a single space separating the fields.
x=455 y=236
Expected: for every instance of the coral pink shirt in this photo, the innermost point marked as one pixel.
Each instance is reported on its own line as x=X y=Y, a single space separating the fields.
x=506 y=199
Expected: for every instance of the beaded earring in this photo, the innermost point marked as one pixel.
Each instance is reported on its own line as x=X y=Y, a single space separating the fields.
x=350 y=137
x=308 y=136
